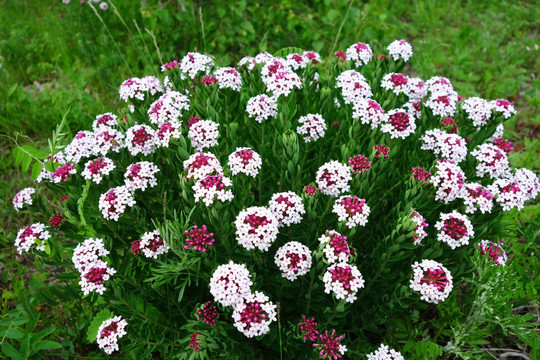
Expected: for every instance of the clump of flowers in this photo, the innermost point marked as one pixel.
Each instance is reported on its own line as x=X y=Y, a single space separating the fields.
x=336 y=248
x=491 y=160
x=151 y=245
x=293 y=259
x=448 y=181
x=199 y=238
x=109 y=332
x=359 y=163
x=56 y=220
x=494 y=251
x=455 y=229
x=208 y=313
x=333 y=178
x=140 y=176
x=400 y=49
x=245 y=160
x=343 y=280
x=360 y=53
x=262 y=107
x=168 y=107
x=287 y=207
x=352 y=209
x=399 y=124
x=230 y=284
x=432 y=280
x=212 y=187
x=200 y=165
x=381 y=150
x=23 y=197
x=96 y=169
x=114 y=202
x=505 y=107
x=228 y=78
x=106 y=120
x=385 y=353
x=203 y=134
x=253 y=316
x=477 y=197
x=451 y=147
x=194 y=63
x=33 y=235
x=330 y=345
x=369 y=112
x=478 y=110
x=397 y=83
x=313 y=127
x=419 y=232
x=256 y=227
x=141 y=139
x=307 y=327
x=353 y=86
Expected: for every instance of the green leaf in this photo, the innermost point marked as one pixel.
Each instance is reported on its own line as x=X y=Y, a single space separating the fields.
x=288 y=50
x=11 y=351
x=91 y=333
x=47 y=345
x=14 y=333
x=36 y=170
x=26 y=163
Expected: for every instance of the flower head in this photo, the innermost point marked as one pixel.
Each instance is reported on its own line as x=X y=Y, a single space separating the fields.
x=369 y=112
x=140 y=176
x=96 y=169
x=478 y=110
x=113 y=203
x=245 y=160
x=109 y=332
x=208 y=313
x=312 y=126
x=336 y=248
x=455 y=229
x=199 y=238
x=203 y=134
x=88 y=252
x=359 y=163
x=448 y=181
x=228 y=78
x=262 y=107
x=432 y=280
x=330 y=345
x=33 y=235
x=152 y=245
x=200 y=165
x=352 y=209
x=381 y=150
x=494 y=251
x=395 y=82
x=141 y=139
x=106 y=120
x=419 y=233
x=168 y=107
x=230 y=284
x=256 y=227
x=293 y=259
x=491 y=161
x=211 y=187
x=343 y=280
x=477 y=197
x=333 y=178
x=360 y=53
x=399 y=124
x=287 y=207
x=385 y=353
x=353 y=86
x=23 y=197
x=254 y=314
x=400 y=49
x=307 y=327
x=503 y=106
x=446 y=146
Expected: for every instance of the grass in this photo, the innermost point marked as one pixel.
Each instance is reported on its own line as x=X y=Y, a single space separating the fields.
x=55 y=56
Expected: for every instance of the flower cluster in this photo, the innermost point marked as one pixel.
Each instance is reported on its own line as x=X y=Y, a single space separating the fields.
x=140 y=175
x=395 y=82
x=451 y=147
x=106 y=120
x=230 y=283
x=256 y=227
x=34 y=234
x=333 y=178
x=505 y=107
x=293 y=259
x=494 y=251
x=113 y=203
x=253 y=316
x=262 y=107
x=82 y=145
x=381 y=150
x=245 y=160
x=448 y=181
x=491 y=161
x=105 y=140
x=109 y=332
x=455 y=229
x=359 y=164
x=287 y=208
x=23 y=197
x=330 y=345
x=400 y=49
x=343 y=280
x=515 y=189
x=135 y=88
x=211 y=187
x=313 y=127
x=351 y=209
x=63 y=173
x=150 y=245
x=307 y=327
x=385 y=353
x=336 y=248
x=353 y=86
x=228 y=78
x=279 y=78
x=193 y=63
x=477 y=197
x=95 y=169
x=399 y=124
x=141 y=139
x=443 y=99
x=432 y=280
x=369 y=112
x=208 y=313
x=199 y=239
x=360 y=53
x=168 y=107
x=419 y=232
x=92 y=269
x=478 y=110
x=203 y=134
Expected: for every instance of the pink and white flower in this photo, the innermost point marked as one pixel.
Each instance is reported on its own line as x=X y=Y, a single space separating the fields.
x=478 y=110
x=109 y=332
x=400 y=49
x=491 y=161
x=107 y=139
x=448 y=181
x=385 y=353
x=33 y=235
x=23 y=197
x=167 y=131
x=88 y=252
x=230 y=284
x=443 y=103
x=262 y=107
x=152 y=244
x=141 y=139
x=287 y=207
x=194 y=63
x=293 y=259
x=343 y=280
x=228 y=78
x=360 y=53
x=354 y=86
x=505 y=107
x=256 y=227
x=477 y=197
x=106 y=120
x=203 y=134
x=82 y=146
x=416 y=89
x=140 y=175
x=245 y=160
x=212 y=187
x=168 y=107
x=63 y=172
x=96 y=169
x=351 y=209
x=419 y=232
x=93 y=277
x=399 y=124
x=494 y=251
x=253 y=316
x=451 y=147
x=200 y=165
x=330 y=345
x=395 y=82
x=455 y=229
x=114 y=202
x=369 y=112
x=333 y=178
x=336 y=248
x=432 y=280
x=312 y=126
x=279 y=78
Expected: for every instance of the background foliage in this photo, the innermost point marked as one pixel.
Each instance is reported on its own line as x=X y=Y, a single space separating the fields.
x=57 y=56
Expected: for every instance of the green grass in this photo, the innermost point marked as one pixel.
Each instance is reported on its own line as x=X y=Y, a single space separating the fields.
x=49 y=64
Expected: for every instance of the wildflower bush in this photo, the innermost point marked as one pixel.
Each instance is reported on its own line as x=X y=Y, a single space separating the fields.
x=288 y=207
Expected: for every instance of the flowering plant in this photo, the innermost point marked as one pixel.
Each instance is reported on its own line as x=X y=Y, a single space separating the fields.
x=271 y=208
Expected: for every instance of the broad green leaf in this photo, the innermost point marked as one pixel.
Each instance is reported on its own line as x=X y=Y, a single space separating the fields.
x=46 y=345
x=10 y=351
x=36 y=170
x=91 y=333
x=282 y=53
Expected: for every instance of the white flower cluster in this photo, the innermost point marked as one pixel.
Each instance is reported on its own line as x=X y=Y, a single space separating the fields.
x=297 y=61
x=135 y=88
x=400 y=49
x=141 y=139
x=167 y=131
x=253 y=316
x=251 y=62
x=109 y=332
x=262 y=107
x=385 y=353
x=478 y=110
x=287 y=207
x=399 y=123
x=477 y=197
x=313 y=127
x=443 y=99
x=446 y=146
x=113 y=203
x=93 y=271
x=96 y=169
x=230 y=284
x=528 y=181
x=503 y=106
x=152 y=244
x=354 y=86
x=351 y=209
x=63 y=172
x=81 y=146
x=494 y=251
x=395 y=82
x=333 y=178
x=193 y=63
x=360 y=53
x=107 y=139
x=211 y=187
x=279 y=78
x=106 y=120
x=168 y=107
x=336 y=248
x=344 y=280
x=419 y=231
x=369 y=112
x=432 y=280
x=256 y=227
x=23 y=197
x=228 y=78
x=31 y=236
x=203 y=134
x=293 y=259
x=416 y=89
x=515 y=189
x=140 y=175
x=491 y=161
x=45 y=174
x=245 y=160
x=448 y=180
x=200 y=165
x=455 y=229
